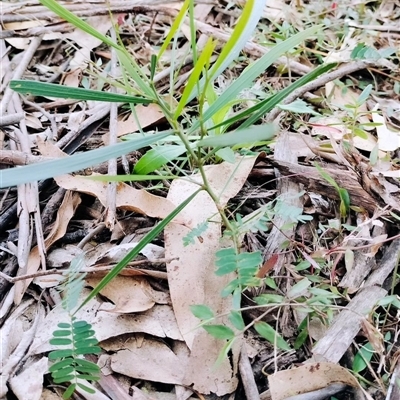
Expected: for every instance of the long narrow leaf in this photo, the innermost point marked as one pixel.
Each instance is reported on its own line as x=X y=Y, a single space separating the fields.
x=244 y=136
x=195 y=75
x=49 y=169
x=65 y=92
x=157 y=157
x=124 y=57
x=243 y=31
x=136 y=250
x=174 y=28
x=270 y=103
x=253 y=71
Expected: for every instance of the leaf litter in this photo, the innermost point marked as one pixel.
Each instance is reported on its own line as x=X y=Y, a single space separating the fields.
x=144 y=325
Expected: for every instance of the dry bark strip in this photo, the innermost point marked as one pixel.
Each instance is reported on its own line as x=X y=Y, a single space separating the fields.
x=313 y=181
x=288 y=190
x=347 y=324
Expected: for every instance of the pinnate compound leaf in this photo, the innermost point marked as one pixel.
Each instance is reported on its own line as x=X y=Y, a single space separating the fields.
x=195 y=233
x=202 y=311
x=220 y=331
x=269 y=333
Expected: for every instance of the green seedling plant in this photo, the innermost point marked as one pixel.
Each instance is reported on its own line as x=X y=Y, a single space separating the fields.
x=74 y=338
x=343 y=193
x=215 y=133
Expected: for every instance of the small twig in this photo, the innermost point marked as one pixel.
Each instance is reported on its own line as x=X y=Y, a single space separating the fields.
x=247 y=376
x=83 y=10
x=90 y=270
x=37 y=31
x=111 y=209
x=379 y=28
x=91 y=234
x=11 y=119
x=16 y=157
x=19 y=71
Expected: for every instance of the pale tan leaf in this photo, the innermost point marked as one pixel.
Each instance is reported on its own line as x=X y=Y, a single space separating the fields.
x=374 y=336
x=114 y=253
x=33 y=122
x=127 y=198
x=129 y=294
x=86 y=42
x=146 y=116
x=388 y=140
x=149 y=360
x=191 y=277
x=310 y=380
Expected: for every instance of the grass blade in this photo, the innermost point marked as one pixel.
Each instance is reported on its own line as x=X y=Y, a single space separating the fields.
x=239 y=137
x=49 y=169
x=65 y=92
x=136 y=250
x=253 y=71
x=241 y=34
x=124 y=57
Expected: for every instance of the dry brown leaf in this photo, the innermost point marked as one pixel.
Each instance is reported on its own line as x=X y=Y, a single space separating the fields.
x=110 y=253
x=128 y=198
x=86 y=42
x=129 y=294
x=316 y=381
x=158 y=321
x=374 y=336
x=64 y=214
x=191 y=277
x=151 y=360
x=146 y=116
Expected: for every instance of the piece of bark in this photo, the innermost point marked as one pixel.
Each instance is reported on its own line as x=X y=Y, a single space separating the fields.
x=363 y=262
x=389 y=261
x=314 y=182
x=288 y=191
x=393 y=392
x=348 y=323
x=246 y=373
